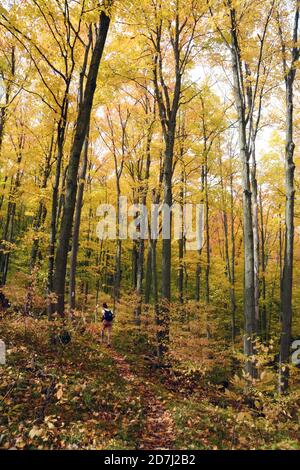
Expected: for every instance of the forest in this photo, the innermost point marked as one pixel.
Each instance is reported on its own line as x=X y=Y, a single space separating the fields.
x=149 y=168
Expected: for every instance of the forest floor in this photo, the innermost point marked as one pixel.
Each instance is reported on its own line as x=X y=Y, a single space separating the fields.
x=86 y=396
x=159 y=428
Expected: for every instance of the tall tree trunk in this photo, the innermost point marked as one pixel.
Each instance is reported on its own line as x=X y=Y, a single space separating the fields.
x=118 y=256
x=164 y=315
x=8 y=231
x=157 y=313
x=255 y=235
x=287 y=276
x=148 y=280
x=42 y=209
x=141 y=255
x=181 y=242
x=156 y=195
x=249 y=286
x=199 y=267
x=228 y=263
x=75 y=243
x=117 y=276
x=207 y=266
x=54 y=209
x=88 y=252
x=280 y=247
x=168 y=200
x=232 y=289
x=134 y=263
x=11 y=210
x=83 y=119
x=139 y=281
x=264 y=326
x=180 y=269
x=168 y=111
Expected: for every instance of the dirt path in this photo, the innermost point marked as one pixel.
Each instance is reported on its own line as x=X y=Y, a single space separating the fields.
x=158 y=432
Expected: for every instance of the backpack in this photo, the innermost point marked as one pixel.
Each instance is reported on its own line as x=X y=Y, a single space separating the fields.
x=108 y=315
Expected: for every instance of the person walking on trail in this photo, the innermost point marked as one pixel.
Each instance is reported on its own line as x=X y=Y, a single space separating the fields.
x=107 y=322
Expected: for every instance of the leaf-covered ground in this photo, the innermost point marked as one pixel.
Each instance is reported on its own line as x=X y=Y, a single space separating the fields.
x=54 y=397
x=86 y=396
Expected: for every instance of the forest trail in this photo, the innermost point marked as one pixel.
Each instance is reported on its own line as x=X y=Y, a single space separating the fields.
x=159 y=429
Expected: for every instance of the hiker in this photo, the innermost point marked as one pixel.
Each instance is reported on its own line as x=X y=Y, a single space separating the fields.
x=107 y=321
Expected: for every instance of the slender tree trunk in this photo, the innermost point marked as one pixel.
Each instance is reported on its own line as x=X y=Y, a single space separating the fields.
x=148 y=280
x=228 y=264
x=10 y=229
x=134 y=262
x=8 y=232
x=42 y=209
x=53 y=228
x=78 y=210
x=264 y=326
x=199 y=266
x=39 y=221
x=140 y=272
x=153 y=247
x=280 y=247
x=181 y=244
x=207 y=267
x=168 y=200
x=139 y=281
x=157 y=313
x=117 y=277
x=164 y=315
x=232 y=289
x=61 y=202
x=2 y=122
x=118 y=258
x=181 y=270
x=88 y=251
x=141 y=256
x=255 y=235
x=249 y=286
